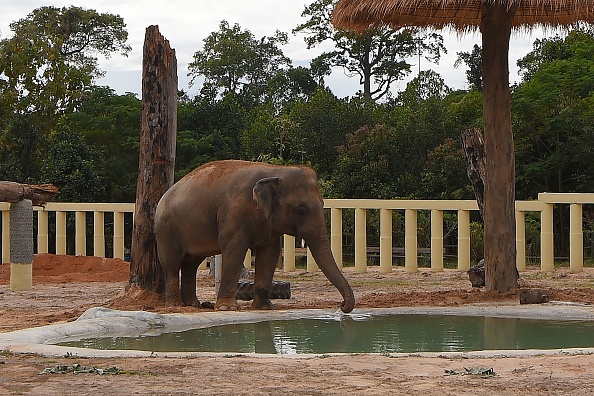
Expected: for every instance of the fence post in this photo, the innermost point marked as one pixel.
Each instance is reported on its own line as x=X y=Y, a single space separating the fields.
x=60 y=232
x=576 y=238
x=410 y=240
x=42 y=232
x=463 y=240
x=336 y=235
x=547 y=260
x=118 y=235
x=521 y=241
x=80 y=242
x=385 y=240
x=21 y=245
x=288 y=253
x=437 y=240
x=360 y=240
x=247 y=260
x=99 y=234
x=312 y=266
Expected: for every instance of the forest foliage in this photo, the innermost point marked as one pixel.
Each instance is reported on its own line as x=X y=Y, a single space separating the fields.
x=57 y=126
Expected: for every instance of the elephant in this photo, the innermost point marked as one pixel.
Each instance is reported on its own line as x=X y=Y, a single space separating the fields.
x=231 y=206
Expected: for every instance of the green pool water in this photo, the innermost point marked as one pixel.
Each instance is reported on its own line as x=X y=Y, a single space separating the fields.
x=363 y=334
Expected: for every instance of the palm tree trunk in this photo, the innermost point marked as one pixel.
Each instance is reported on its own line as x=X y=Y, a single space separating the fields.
x=499 y=216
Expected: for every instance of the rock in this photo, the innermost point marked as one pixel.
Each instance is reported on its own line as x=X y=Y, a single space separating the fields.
x=476 y=274
x=534 y=296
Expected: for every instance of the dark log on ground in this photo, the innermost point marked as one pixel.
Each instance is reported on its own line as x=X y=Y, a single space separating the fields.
x=157 y=156
x=534 y=296
x=473 y=145
x=39 y=194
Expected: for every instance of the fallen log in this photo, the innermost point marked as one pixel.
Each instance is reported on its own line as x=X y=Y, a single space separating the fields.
x=39 y=194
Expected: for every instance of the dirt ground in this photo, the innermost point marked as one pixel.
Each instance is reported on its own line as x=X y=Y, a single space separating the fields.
x=65 y=286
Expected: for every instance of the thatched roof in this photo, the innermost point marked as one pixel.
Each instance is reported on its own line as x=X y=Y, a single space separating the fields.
x=461 y=15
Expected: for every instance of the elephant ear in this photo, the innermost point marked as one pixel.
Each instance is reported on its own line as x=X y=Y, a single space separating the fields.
x=265 y=194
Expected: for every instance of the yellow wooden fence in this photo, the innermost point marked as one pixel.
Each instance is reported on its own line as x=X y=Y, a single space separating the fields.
x=544 y=205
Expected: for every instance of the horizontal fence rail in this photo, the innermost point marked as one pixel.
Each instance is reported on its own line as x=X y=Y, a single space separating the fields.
x=82 y=229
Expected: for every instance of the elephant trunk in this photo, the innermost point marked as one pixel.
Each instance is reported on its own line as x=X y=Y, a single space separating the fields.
x=320 y=250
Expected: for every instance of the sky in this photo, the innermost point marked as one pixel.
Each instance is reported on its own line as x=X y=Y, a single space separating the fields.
x=186 y=23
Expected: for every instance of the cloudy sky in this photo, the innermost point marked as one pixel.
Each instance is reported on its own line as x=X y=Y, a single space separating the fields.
x=185 y=23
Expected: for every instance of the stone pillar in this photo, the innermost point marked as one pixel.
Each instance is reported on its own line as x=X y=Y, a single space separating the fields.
x=21 y=245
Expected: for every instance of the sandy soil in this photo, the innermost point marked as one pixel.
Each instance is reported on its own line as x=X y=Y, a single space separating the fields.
x=65 y=286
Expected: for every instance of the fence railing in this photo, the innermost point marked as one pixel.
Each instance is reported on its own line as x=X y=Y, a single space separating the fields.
x=53 y=219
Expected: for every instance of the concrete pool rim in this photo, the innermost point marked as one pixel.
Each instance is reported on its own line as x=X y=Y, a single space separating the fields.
x=100 y=321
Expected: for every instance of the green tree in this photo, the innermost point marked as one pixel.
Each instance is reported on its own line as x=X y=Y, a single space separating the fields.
x=208 y=129
x=286 y=86
x=553 y=116
x=543 y=51
x=401 y=157
x=444 y=173
x=370 y=164
x=321 y=124
x=474 y=62
x=20 y=145
x=377 y=57
x=233 y=61
x=110 y=124
x=50 y=63
x=422 y=112
x=69 y=165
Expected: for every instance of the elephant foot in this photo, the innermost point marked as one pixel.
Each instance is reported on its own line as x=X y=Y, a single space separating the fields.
x=262 y=303
x=191 y=302
x=173 y=301
x=226 y=305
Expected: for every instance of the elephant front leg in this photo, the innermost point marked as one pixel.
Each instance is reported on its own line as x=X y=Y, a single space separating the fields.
x=266 y=260
x=230 y=273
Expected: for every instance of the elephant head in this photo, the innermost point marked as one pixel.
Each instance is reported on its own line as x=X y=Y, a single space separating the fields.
x=291 y=204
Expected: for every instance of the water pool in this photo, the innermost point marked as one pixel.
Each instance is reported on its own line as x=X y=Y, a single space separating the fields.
x=363 y=333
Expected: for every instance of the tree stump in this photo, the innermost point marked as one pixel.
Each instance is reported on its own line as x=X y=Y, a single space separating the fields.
x=473 y=145
x=157 y=156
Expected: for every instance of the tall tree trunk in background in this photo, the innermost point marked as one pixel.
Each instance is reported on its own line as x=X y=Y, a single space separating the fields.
x=499 y=215
x=157 y=156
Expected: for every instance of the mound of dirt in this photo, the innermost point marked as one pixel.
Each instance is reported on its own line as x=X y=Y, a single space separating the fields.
x=51 y=268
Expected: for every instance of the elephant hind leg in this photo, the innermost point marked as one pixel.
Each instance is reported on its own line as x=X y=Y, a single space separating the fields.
x=170 y=259
x=188 y=280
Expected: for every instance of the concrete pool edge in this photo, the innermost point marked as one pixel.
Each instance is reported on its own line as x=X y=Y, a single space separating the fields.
x=101 y=321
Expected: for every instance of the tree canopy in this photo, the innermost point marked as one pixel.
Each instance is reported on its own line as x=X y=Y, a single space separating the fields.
x=376 y=57
x=50 y=62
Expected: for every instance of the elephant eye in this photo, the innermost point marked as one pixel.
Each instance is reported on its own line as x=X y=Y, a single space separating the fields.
x=302 y=210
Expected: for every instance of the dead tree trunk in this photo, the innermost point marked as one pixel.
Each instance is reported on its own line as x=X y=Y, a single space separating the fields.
x=157 y=156
x=39 y=194
x=474 y=151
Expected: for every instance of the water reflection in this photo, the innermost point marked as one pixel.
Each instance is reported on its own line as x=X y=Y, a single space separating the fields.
x=381 y=334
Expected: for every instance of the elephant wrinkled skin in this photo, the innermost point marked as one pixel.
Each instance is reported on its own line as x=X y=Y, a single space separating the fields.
x=229 y=207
